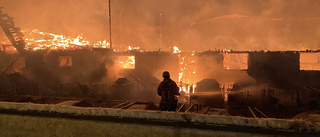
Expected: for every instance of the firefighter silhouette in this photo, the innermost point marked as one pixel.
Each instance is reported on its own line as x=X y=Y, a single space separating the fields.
x=168 y=90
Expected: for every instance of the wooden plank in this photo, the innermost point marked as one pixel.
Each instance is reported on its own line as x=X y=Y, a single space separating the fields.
x=189 y=108
x=180 y=107
x=252 y=112
x=261 y=112
x=122 y=104
x=129 y=105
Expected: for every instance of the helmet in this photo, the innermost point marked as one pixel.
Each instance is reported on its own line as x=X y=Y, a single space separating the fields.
x=166 y=74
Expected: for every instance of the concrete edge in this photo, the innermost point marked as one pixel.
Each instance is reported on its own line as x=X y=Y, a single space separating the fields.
x=292 y=125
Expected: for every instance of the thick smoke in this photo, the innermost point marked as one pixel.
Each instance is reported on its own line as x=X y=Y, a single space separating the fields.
x=189 y=24
x=210 y=68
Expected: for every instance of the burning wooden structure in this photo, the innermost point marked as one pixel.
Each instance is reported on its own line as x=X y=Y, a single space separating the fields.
x=55 y=65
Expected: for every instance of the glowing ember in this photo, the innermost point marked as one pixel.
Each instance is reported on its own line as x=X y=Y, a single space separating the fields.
x=127 y=62
x=101 y=44
x=134 y=48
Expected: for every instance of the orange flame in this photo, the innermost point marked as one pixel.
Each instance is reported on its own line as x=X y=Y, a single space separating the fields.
x=176 y=49
x=127 y=62
x=187 y=71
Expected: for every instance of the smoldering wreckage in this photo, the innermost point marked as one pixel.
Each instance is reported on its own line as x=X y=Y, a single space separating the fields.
x=266 y=87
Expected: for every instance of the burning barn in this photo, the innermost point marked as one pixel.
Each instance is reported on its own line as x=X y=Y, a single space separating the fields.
x=71 y=67
x=86 y=79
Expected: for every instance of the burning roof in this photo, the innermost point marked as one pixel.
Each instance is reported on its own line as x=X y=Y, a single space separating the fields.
x=38 y=40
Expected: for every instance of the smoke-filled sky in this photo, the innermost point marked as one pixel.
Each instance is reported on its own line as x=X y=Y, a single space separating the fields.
x=188 y=24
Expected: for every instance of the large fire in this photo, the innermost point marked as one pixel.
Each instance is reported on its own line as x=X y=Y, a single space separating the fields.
x=187 y=71
x=38 y=40
x=127 y=62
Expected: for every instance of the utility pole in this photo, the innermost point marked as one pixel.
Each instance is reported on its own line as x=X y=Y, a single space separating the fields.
x=121 y=30
x=109 y=1
x=160 y=46
x=160 y=41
